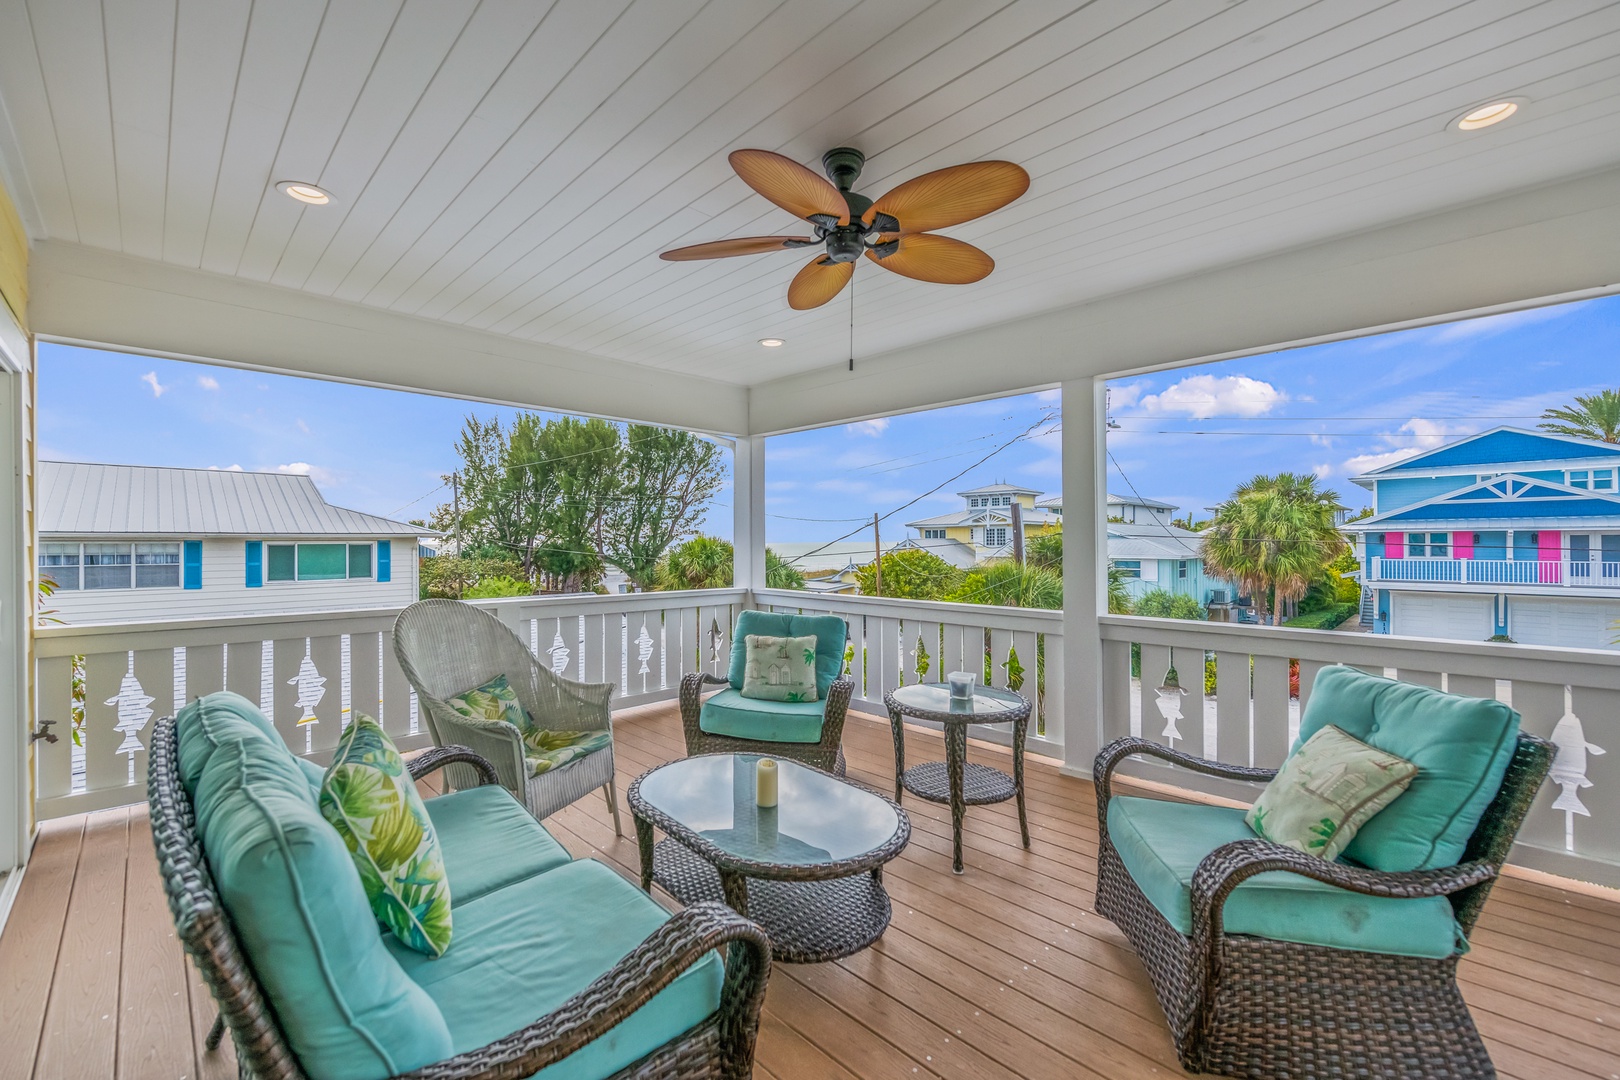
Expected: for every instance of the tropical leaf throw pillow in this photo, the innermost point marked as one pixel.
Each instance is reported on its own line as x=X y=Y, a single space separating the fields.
x=780 y=668
x=1326 y=791
x=495 y=700
x=371 y=800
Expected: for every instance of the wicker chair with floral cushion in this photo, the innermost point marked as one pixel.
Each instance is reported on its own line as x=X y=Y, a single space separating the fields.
x=1270 y=962
x=447 y=648
x=811 y=732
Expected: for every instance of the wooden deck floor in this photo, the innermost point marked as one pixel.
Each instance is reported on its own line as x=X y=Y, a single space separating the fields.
x=999 y=974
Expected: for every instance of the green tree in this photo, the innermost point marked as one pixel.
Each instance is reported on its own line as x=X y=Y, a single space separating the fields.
x=1005 y=583
x=1119 y=594
x=703 y=562
x=1187 y=522
x=910 y=574
x=577 y=470
x=1593 y=416
x=667 y=478
x=1273 y=536
x=1164 y=604
x=1045 y=550
x=497 y=585
x=781 y=574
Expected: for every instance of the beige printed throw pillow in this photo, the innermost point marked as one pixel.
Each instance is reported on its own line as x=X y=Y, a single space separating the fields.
x=780 y=668
x=1326 y=791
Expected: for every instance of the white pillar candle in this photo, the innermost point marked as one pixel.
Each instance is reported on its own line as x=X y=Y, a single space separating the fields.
x=765 y=782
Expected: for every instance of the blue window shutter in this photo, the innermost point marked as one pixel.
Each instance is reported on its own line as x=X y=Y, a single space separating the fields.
x=384 y=560
x=192 y=564
x=255 y=564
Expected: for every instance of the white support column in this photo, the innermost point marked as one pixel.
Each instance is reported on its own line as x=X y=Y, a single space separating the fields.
x=1085 y=555
x=748 y=512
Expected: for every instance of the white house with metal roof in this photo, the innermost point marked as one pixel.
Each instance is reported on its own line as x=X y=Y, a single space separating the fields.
x=1134 y=510
x=984 y=525
x=129 y=542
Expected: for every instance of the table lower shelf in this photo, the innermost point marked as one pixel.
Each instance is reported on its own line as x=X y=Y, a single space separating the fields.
x=981 y=784
x=808 y=921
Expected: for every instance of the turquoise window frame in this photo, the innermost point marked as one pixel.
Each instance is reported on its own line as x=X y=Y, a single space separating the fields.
x=326 y=560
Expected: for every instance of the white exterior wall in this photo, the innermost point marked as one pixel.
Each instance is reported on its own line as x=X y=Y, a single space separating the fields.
x=224 y=587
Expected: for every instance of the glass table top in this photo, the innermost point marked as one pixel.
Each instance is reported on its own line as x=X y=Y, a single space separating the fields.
x=817 y=819
x=985 y=705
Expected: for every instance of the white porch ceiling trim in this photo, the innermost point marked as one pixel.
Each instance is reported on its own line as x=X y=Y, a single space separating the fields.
x=96 y=297
x=1550 y=241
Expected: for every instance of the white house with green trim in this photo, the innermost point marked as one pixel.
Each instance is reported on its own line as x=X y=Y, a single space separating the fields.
x=130 y=543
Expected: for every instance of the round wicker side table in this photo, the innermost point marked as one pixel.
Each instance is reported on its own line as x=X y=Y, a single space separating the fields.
x=957 y=781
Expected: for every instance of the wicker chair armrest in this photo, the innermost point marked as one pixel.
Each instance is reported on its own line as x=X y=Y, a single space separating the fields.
x=700 y=679
x=440 y=756
x=681 y=942
x=498 y=742
x=1109 y=759
x=836 y=710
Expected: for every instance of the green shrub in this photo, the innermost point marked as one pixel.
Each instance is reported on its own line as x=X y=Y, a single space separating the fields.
x=498 y=585
x=1163 y=604
x=1324 y=619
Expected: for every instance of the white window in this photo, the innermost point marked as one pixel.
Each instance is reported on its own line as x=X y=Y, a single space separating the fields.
x=1131 y=568
x=1432 y=544
x=60 y=563
x=111 y=566
x=157 y=566
x=933 y=534
x=995 y=536
x=1592 y=479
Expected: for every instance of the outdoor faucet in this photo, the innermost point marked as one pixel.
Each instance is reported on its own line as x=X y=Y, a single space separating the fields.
x=43 y=732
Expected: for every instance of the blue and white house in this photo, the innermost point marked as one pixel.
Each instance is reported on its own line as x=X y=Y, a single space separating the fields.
x=1508 y=532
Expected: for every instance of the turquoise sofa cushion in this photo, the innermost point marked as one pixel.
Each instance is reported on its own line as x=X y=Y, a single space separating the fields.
x=829 y=631
x=313 y=773
x=1161 y=844
x=206 y=722
x=489 y=842
x=1461 y=746
x=521 y=951
x=294 y=897
x=729 y=713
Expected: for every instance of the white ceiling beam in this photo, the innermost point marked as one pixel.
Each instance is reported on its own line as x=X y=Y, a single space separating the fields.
x=1550 y=241
x=95 y=297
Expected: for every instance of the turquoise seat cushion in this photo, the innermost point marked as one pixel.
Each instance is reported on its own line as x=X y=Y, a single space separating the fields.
x=489 y=842
x=729 y=713
x=206 y=722
x=521 y=951
x=313 y=773
x=829 y=631
x=1461 y=746
x=295 y=900
x=1161 y=844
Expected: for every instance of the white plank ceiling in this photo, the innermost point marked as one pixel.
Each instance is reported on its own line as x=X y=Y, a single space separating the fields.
x=516 y=166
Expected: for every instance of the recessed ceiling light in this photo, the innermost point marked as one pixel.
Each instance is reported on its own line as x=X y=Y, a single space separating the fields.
x=1486 y=115
x=304 y=193
x=772 y=342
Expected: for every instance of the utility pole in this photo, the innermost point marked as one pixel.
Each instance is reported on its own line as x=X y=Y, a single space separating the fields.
x=877 y=563
x=455 y=502
x=1018 y=531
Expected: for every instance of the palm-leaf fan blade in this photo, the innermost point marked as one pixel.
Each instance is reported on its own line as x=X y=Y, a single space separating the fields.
x=746 y=245
x=819 y=281
x=951 y=196
x=789 y=185
x=940 y=259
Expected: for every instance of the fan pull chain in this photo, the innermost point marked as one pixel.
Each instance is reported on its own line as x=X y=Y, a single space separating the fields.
x=852 y=320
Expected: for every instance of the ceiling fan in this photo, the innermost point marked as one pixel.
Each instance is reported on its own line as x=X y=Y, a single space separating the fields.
x=894 y=232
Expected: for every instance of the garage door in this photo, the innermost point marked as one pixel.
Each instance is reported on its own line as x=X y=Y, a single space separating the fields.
x=1434 y=615
x=1574 y=624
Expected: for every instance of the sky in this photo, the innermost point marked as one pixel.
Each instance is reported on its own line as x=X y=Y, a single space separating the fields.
x=1187 y=436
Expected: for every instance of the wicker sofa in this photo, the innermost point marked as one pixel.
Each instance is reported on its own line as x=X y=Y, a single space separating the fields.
x=553 y=962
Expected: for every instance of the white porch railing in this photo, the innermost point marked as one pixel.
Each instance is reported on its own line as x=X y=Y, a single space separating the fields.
x=1571 y=696
x=898 y=642
x=1580 y=573
x=308 y=671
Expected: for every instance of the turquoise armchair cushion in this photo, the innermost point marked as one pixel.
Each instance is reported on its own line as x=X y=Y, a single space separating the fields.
x=295 y=899
x=1161 y=844
x=203 y=724
x=1461 y=746
x=829 y=631
x=521 y=951
x=729 y=713
x=489 y=842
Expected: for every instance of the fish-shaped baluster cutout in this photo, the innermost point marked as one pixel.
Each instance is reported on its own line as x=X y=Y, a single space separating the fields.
x=1169 y=705
x=311 y=688
x=1569 y=770
x=717 y=638
x=558 y=652
x=134 y=712
x=644 y=648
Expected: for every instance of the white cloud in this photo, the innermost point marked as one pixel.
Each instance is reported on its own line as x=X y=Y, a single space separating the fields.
x=874 y=428
x=228 y=468
x=1412 y=437
x=1500 y=324
x=208 y=382
x=151 y=379
x=1201 y=396
x=302 y=426
x=1049 y=397
x=321 y=476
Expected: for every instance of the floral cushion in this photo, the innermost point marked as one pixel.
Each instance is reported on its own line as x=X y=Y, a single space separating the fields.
x=547 y=750
x=371 y=800
x=1326 y=791
x=495 y=700
x=780 y=668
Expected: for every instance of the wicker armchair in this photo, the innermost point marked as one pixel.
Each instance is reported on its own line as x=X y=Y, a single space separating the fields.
x=446 y=647
x=720 y=1048
x=1254 y=1007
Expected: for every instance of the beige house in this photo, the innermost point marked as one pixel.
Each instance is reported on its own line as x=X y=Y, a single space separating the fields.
x=983 y=528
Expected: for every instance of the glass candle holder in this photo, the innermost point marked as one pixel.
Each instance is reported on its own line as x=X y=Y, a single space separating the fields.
x=961 y=683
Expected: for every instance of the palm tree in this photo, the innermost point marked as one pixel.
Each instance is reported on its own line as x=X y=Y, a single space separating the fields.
x=1008 y=584
x=781 y=574
x=703 y=562
x=1273 y=536
x=1119 y=597
x=1593 y=416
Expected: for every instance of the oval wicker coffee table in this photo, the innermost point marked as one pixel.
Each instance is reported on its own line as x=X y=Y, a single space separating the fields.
x=956 y=780
x=808 y=870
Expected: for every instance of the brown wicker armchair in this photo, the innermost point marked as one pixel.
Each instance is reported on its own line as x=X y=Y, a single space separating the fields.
x=720 y=1048
x=1254 y=1007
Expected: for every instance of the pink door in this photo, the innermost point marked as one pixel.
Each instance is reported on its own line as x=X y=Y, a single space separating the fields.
x=1550 y=550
